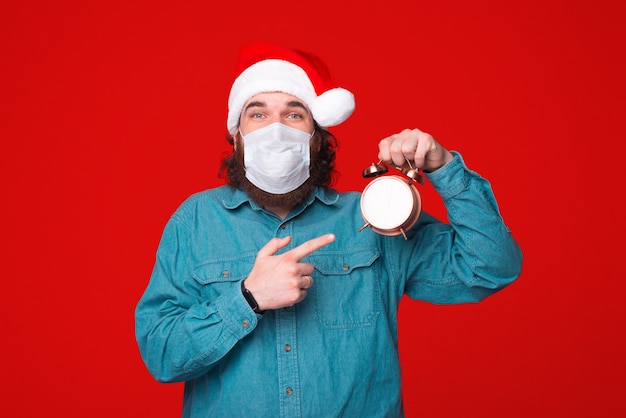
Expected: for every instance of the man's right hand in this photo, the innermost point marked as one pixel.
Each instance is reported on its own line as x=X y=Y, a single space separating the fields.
x=278 y=281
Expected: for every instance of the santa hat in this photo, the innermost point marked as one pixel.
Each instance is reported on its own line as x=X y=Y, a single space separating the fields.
x=264 y=68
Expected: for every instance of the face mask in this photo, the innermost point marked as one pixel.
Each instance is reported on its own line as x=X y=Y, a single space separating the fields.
x=277 y=158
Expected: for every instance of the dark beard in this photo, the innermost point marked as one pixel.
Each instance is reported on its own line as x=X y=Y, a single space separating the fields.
x=323 y=146
x=237 y=176
x=286 y=200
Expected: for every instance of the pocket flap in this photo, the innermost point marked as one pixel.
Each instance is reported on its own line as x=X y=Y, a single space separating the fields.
x=224 y=270
x=345 y=262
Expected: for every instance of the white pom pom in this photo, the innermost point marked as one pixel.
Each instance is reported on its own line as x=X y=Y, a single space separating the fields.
x=333 y=107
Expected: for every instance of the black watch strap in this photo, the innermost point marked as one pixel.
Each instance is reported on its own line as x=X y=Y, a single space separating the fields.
x=250 y=299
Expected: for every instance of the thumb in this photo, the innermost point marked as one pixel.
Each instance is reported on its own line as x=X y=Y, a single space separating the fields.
x=273 y=246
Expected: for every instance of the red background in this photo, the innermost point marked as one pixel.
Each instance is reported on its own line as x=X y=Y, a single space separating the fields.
x=113 y=112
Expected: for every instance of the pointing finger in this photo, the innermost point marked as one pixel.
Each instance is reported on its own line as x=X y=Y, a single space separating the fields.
x=274 y=245
x=309 y=247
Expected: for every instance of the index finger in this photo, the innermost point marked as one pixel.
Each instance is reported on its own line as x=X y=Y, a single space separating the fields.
x=310 y=246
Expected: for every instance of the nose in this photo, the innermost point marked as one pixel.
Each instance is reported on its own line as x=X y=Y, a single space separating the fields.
x=274 y=118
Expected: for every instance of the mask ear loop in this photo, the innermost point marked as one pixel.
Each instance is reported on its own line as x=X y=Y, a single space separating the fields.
x=238 y=132
x=235 y=138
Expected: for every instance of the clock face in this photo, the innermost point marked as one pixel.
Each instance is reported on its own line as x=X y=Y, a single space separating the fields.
x=390 y=204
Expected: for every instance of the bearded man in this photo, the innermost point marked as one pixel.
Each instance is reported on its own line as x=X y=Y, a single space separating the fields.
x=268 y=298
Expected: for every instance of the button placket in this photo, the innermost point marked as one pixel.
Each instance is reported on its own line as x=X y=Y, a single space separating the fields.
x=284 y=229
x=288 y=373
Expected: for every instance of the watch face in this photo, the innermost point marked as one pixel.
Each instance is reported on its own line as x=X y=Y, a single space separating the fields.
x=390 y=205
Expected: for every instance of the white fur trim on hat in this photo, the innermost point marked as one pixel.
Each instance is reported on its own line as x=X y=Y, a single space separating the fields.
x=274 y=75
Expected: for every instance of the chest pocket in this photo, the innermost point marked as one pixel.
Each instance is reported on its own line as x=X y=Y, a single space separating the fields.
x=213 y=276
x=346 y=288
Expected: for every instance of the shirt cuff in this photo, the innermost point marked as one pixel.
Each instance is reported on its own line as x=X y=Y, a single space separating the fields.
x=236 y=313
x=450 y=179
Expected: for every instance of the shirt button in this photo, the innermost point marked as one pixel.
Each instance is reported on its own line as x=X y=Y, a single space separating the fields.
x=346 y=267
x=283 y=226
x=226 y=274
x=289 y=391
x=287 y=348
x=245 y=323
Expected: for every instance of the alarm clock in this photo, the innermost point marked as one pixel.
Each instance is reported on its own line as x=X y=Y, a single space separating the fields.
x=391 y=204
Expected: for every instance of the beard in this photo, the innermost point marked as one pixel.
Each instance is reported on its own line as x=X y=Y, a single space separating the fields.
x=287 y=200
x=237 y=178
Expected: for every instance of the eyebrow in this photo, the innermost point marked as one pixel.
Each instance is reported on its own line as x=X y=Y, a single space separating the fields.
x=292 y=103
x=295 y=103
x=253 y=104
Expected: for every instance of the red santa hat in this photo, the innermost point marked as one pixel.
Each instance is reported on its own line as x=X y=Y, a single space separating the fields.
x=264 y=68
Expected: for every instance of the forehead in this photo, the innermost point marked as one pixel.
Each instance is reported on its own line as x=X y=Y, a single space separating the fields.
x=274 y=100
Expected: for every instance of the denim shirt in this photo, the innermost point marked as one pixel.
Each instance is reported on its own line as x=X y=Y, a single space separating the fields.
x=334 y=354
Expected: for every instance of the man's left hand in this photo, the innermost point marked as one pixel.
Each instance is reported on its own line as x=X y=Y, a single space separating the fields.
x=419 y=148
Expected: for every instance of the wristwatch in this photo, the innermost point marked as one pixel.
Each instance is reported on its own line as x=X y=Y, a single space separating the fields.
x=250 y=299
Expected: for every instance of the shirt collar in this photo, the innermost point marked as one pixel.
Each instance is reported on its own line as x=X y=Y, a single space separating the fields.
x=234 y=198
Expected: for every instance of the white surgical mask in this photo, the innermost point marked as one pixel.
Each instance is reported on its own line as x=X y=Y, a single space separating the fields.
x=277 y=158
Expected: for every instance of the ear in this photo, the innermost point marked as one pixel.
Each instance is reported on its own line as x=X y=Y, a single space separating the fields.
x=235 y=139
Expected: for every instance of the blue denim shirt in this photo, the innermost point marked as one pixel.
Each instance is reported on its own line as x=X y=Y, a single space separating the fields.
x=335 y=354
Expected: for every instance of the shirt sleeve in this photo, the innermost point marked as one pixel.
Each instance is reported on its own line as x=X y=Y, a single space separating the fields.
x=180 y=334
x=467 y=259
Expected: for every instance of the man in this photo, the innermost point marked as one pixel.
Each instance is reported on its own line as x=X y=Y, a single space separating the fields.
x=266 y=300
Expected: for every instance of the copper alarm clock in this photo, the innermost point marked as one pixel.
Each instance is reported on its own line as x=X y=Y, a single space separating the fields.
x=391 y=204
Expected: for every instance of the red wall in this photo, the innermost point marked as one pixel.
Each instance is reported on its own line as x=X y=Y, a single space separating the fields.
x=113 y=112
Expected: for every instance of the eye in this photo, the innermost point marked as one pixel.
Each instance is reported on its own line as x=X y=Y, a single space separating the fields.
x=294 y=115
x=256 y=115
